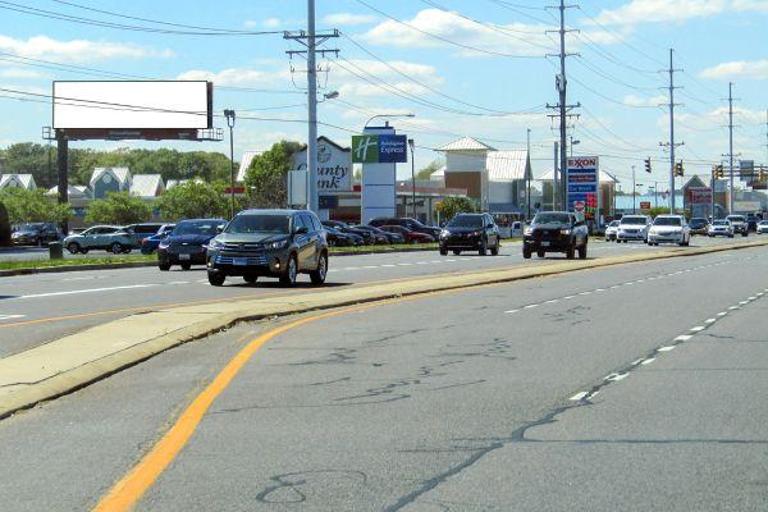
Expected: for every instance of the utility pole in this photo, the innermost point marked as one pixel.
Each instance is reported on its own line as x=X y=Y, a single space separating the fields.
x=527 y=172
x=730 y=147
x=562 y=107
x=634 y=191
x=311 y=40
x=671 y=144
x=555 y=180
x=412 y=145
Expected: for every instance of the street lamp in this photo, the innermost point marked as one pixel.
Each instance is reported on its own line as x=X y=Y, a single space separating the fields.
x=230 y=115
x=412 y=145
x=573 y=143
x=389 y=116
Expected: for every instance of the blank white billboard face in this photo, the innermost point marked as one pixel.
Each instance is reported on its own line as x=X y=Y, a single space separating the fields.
x=130 y=105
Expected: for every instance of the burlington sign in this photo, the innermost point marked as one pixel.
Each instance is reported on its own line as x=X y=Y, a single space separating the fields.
x=379 y=149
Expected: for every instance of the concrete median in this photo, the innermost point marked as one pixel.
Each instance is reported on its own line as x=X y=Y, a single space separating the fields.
x=74 y=361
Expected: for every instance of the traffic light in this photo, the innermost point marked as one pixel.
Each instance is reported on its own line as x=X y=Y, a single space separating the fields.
x=679 y=168
x=719 y=172
x=648 y=165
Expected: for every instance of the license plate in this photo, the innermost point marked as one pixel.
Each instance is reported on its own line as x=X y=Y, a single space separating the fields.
x=240 y=262
x=545 y=244
x=183 y=257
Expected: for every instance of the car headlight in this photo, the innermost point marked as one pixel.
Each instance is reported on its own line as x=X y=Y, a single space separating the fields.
x=164 y=244
x=276 y=245
x=215 y=244
x=565 y=231
x=444 y=233
x=528 y=231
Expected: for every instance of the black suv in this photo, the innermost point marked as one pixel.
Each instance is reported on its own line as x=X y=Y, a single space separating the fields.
x=186 y=244
x=408 y=223
x=470 y=231
x=272 y=243
x=35 y=233
x=556 y=232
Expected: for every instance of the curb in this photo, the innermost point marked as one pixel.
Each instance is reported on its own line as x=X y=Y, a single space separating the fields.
x=55 y=369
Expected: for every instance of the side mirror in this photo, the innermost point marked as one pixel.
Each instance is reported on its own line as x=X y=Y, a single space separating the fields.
x=219 y=229
x=301 y=230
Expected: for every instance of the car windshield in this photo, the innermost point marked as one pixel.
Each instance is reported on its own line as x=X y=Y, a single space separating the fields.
x=633 y=220
x=736 y=218
x=466 y=221
x=667 y=221
x=764 y=222
x=613 y=224
x=30 y=226
x=720 y=223
x=196 y=228
x=272 y=224
x=697 y=222
x=552 y=218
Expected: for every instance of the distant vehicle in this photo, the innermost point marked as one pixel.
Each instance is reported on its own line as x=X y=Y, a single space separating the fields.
x=272 y=243
x=113 y=239
x=762 y=227
x=471 y=232
x=752 y=221
x=368 y=237
x=337 y=238
x=149 y=244
x=739 y=223
x=35 y=233
x=720 y=227
x=611 y=230
x=141 y=231
x=556 y=232
x=391 y=238
x=699 y=226
x=410 y=237
x=408 y=223
x=186 y=245
x=669 y=229
x=633 y=227
x=379 y=237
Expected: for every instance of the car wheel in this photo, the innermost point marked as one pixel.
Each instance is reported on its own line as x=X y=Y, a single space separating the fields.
x=443 y=252
x=495 y=250
x=483 y=249
x=165 y=267
x=571 y=252
x=84 y=251
x=186 y=266
x=456 y=253
x=116 y=248
x=216 y=278
x=73 y=248
x=583 y=251
x=250 y=278
x=317 y=276
x=526 y=253
x=541 y=254
x=730 y=236
x=288 y=278
x=745 y=234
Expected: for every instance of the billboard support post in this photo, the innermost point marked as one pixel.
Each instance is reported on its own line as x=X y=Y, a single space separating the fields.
x=62 y=164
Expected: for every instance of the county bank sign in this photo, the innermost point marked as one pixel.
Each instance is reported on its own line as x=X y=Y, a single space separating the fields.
x=334 y=166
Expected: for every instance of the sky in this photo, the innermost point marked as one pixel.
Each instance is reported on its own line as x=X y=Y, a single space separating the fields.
x=479 y=68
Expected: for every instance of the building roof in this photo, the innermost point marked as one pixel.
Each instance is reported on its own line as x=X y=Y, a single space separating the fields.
x=466 y=144
x=172 y=183
x=506 y=165
x=695 y=181
x=122 y=174
x=27 y=181
x=147 y=185
x=74 y=191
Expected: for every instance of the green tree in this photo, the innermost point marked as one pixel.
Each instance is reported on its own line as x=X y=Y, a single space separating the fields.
x=266 y=177
x=451 y=206
x=193 y=200
x=429 y=170
x=118 y=208
x=33 y=206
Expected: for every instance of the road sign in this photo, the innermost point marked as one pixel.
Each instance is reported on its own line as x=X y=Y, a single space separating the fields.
x=382 y=148
x=583 y=185
x=645 y=205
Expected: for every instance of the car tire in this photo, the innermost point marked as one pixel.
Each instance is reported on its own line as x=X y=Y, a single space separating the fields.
x=164 y=267
x=495 y=250
x=456 y=253
x=116 y=248
x=318 y=275
x=250 y=278
x=745 y=234
x=730 y=236
x=571 y=252
x=216 y=278
x=526 y=253
x=73 y=247
x=443 y=252
x=483 y=250
x=186 y=266
x=288 y=278
x=583 y=251
x=541 y=254
x=84 y=251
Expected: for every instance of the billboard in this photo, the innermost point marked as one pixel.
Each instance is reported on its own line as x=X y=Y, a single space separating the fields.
x=334 y=166
x=379 y=149
x=132 y=105
x=583 y=185
x=700 y=195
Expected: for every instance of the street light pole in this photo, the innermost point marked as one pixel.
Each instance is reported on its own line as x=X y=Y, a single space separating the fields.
x=412 y=145
x=230 y=115
x=634 y=191
x=388 y=116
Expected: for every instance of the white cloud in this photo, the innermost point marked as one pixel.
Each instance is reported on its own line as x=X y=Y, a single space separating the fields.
x=265 y=23
x=751 y=5
x=240 y=77
x=676 y=11
x=358 y=90
x=515 y=39
x=637 y=101
x=757 y=69
x=76 y=50
x=348 y=19
x=20 y=73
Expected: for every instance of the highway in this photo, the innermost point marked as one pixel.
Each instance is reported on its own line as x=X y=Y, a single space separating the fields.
x=35 y=309
x=634 y=387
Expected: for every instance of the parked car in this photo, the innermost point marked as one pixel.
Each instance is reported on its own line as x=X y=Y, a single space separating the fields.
x=149 y=244
x=187 y=243
x=141 y=231
x=720 y=227
x=752 y=221
x=410 y=237
x=408 y=223
x=273 y=243
x=110 y=238
x=762 y=227
x=699 y=226
x=556 y=232
x=382 y=236
x=337 y=238
x=35 y=233
x=669 y=229
x=611 y=230
x=739 y=223
x=633 y=227
x=367 y=236
x=470 y=231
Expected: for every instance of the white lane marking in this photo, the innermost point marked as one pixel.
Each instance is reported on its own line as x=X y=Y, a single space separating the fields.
x=683 y=337
x=648 y=361
x=722 y=313
x=697 y=328
x=552 y=301
x=615 y=377
x=710 y=320
x=89 y=290
x=512 y=311
x=585 y=293
x=405 y=264
x=743 y=302
x=422 y=263
x=733 y=307
x=351 y=268
x=751 y=298
x=599 y=290
x=370 y=266
x=531 y=306
x=388 y=265
x=202 y=281
x=569 y=297
x=615 y=286
x=667 y=349
x=178 y=282
x=637 y=362
x=10 y=317
x=579 y=396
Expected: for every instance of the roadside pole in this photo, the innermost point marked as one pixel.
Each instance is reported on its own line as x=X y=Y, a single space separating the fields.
x=555 y=183
x=634 y=191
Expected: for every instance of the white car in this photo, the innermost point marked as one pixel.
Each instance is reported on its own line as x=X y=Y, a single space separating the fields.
x=739 y=223
x=670 y=229
x=762 y=227
x=633 y=227
x=611 y=230
x=720 y=227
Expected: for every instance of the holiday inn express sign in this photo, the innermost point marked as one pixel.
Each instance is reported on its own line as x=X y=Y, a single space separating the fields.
x=379 y=149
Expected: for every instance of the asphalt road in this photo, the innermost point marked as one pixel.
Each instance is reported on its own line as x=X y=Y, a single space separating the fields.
x=38 y=308
x=633 y=388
